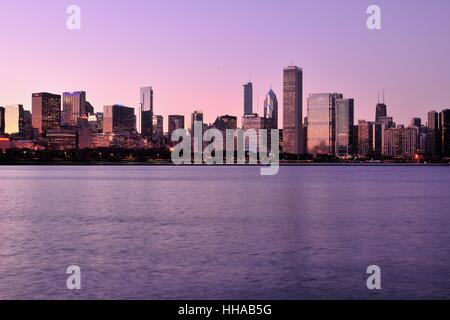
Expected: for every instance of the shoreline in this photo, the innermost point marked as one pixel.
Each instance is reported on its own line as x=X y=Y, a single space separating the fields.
x=167 y=164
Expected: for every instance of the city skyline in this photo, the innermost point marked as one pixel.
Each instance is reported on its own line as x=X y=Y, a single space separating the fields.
x=190 y=66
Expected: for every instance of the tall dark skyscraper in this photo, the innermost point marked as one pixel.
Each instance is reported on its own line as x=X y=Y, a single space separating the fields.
x=117 y=118
x=196 y=116
x=175 y=122
x=365 y=139
x=293 y=110
x=145 y=124
x=248 y=99
x=322 y=123
x=2 y=120
x=345 y=127
x=271 y=109
x=434 y=127
x=46 y=111
x=381 y=109
x=445 y=129
x=73 y=107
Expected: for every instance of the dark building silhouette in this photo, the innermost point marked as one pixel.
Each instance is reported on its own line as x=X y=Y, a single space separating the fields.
x=248 y=99
x=381 y=111
x=434 y=127
x=445 y=129
x=2 y=120
x=344 y=127
x=175 y=122
x=293 y=110
x=146 y=112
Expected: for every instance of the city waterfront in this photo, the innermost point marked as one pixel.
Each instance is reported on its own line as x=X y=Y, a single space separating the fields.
x=140 y=232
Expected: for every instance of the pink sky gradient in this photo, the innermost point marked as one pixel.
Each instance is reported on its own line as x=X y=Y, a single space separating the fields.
x=197 y=54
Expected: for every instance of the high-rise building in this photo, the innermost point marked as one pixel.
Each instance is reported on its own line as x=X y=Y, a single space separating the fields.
x=158 y=128
x=293 y=110
x=74 y=104
x=365 y=139
x=46 y=112
x=434 y=127
x=387 y=122
x=417 y=122
x=84 y=133
x=393 y=146
x=445 y=129
x=378 y=135
x=175 y=122
x=271 y=109
x=381 y=111
x=248 y=99
x=322 y=123
x=410 y=137
x=196 y=116
x=145 y=125
x=344 y=127
x=15 y=120
x=401 y=142
x=2 y=120
x=118 y=118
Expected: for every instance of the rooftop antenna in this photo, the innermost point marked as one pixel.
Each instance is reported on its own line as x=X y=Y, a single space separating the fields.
x=383 y=97
x=378 y=97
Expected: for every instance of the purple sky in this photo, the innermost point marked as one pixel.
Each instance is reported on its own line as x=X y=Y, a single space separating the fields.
x=197 y=54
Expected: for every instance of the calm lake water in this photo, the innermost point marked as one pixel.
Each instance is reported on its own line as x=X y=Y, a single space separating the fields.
x=224 y=233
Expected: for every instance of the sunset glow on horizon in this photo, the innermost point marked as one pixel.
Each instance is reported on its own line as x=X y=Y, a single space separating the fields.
x=197 y=55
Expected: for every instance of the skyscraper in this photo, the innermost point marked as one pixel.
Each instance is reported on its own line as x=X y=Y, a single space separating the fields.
x=73 y=107
x=322 y=123
x=248 y=99
x=2 y=120
x=145 y=125
x=15 y=120
x=434 y=127
x=46 y=111
x=271 y=109
x=381 y=111
x=175 y=122
x=365 y=139
x=196 y=116
x=445 y=129
x=117 y=118
x=158 y=128
x=344 y=127
x=293 y=110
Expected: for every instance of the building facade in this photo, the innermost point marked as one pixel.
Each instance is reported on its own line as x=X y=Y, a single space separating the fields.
x=293 y=110
x=344 y=127
x=175 y=122
x=248 y=99
x=322 y=123
x=46 y=112
x=145 y=121
x=445 y=129
x=271 y=109
x=118 y=118
x=73 y=107
x=365 y=139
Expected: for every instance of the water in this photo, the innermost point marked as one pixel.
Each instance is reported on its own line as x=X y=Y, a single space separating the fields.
x=224 y=233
